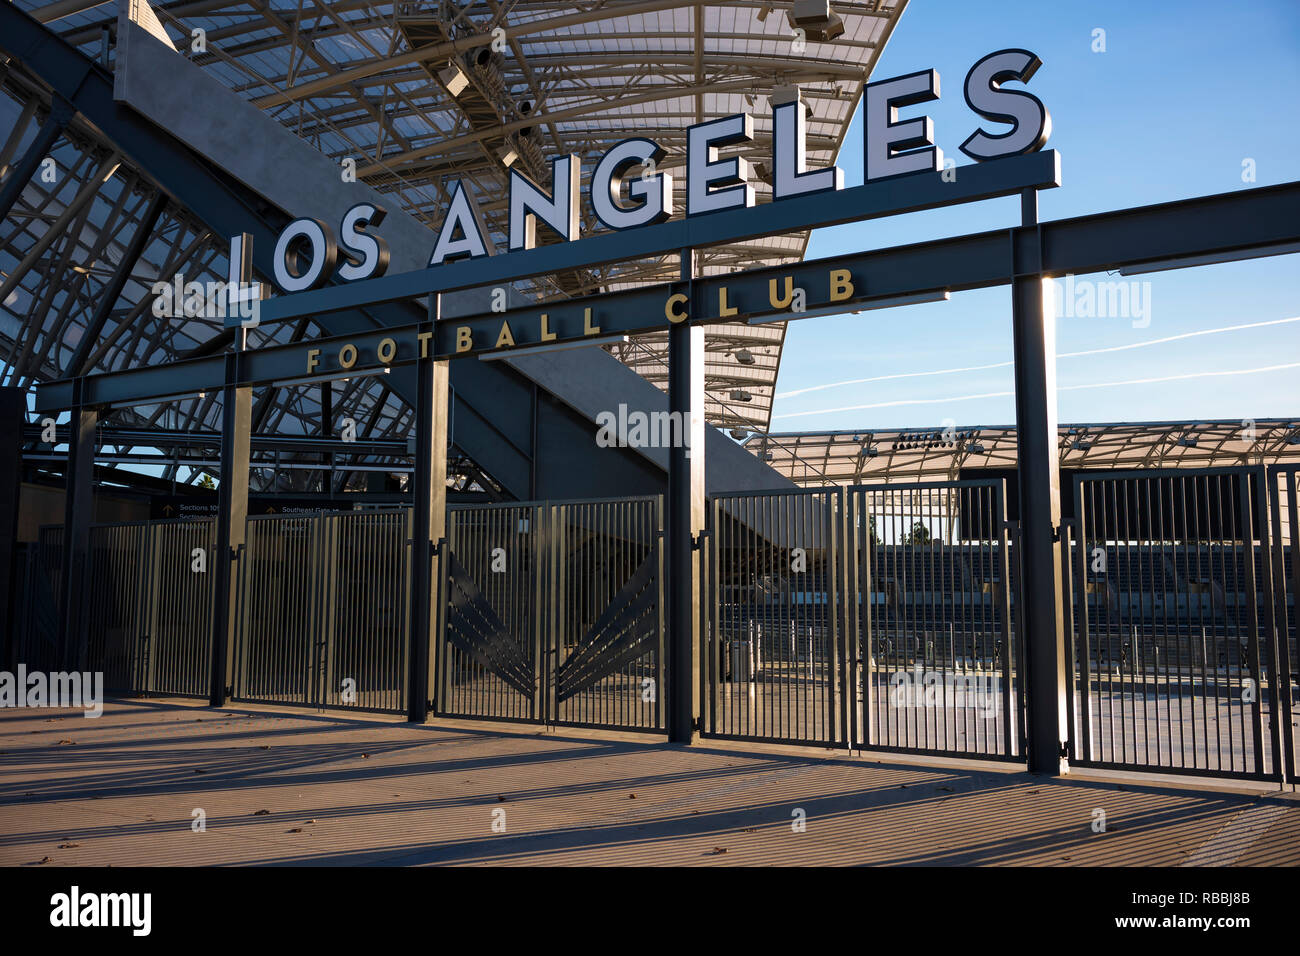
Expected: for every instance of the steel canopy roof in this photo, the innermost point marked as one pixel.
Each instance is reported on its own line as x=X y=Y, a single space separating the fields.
x=361 y=81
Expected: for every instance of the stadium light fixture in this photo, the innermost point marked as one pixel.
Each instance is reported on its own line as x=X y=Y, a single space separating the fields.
x=453 y=79
x=816 y=18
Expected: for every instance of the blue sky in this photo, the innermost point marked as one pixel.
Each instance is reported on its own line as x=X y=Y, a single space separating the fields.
x=1182 y=95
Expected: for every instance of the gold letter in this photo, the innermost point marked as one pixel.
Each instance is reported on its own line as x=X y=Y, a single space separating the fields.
x=387 y=351
x=312 y=360
x=506 y=337
x=725 y=310
x=464 y=338
x=587 y=327
x=789 y=293
x=841 y=285
x=350 y=351
x=671 y=313
x=547 y=334
x=424 y=343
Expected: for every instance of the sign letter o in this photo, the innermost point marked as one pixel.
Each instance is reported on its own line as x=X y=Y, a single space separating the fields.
x=386 y=351
x=348 y=356
x=323 y=248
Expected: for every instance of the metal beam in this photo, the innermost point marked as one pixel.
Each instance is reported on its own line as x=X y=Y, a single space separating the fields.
x=1249 y=219
x=232 y=520
x=64 y=8
x=685 y=521
x=80 y=363
x=1041 y=617
x=228 y=208
x=78 y=513
x=428 y=551
x=129 y=437
x=56 y=229
x=441 y=51
x=61 y=113
x=1004 y=177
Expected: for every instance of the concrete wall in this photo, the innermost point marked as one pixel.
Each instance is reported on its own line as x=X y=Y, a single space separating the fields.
x=41 y=505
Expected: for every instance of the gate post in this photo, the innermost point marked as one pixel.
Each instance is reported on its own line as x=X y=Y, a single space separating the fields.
x=232 y=520
x=428 y=534
x=78 y=513
x=685 y=516
x=1038 y=471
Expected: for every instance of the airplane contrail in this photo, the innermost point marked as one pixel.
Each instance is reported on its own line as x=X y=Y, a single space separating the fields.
x=982 y=368
x=1060 y=388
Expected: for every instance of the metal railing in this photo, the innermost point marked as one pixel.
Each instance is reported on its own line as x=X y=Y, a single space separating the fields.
x=876 y=617
x=39 y=645
x=323 y=610
x=1284 y=493
x=1172 y=637
x=936 y=654
x=553 y=614
x=772 y=643
x=148 y=606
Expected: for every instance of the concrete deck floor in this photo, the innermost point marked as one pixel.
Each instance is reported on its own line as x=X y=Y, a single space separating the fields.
x=281 y=787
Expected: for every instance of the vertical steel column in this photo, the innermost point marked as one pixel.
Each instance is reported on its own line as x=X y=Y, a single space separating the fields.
x=232 y=495
x=327 y=431
x=685 y=516
x=1040 y=620
x=428 y=538
x=78 y=513
x=232 y=521
x=61 y=113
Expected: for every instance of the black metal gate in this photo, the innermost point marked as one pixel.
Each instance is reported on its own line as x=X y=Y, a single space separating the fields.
x=1173 y=634
x=149 y=606
x=36 y=623
x=877 y=616
x=773 y=629
x=553 y=614
x=1284 y=488
x=322 y=610
x=935 y=659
